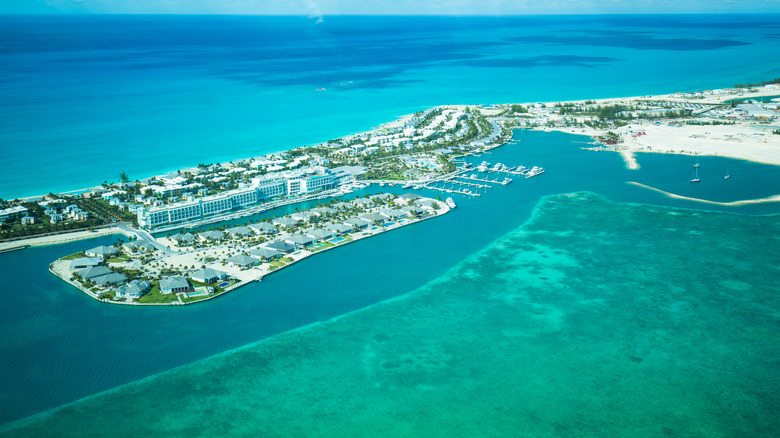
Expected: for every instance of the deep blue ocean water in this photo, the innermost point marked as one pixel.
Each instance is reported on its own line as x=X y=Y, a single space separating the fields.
x=79 y=92
x=84 y=98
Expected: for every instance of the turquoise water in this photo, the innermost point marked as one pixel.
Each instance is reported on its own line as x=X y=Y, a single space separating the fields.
x=68 y=346
x=87 y=97
x=554 y=340
x=595 y=319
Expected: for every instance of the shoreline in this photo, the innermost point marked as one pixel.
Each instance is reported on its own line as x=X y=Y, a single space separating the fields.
x=60 y=238
x=775 y=198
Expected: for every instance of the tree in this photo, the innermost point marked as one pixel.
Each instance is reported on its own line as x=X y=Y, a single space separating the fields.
x=123 y=177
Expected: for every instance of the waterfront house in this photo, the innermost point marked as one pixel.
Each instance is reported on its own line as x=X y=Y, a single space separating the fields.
x=300 y=241
x=102 y=252
x=208 y=275
x=262 y=227
x=339 y=229
x=93 y=272
x=393 y=213
x=285 y=221
x=55 y=217
x=373 y=217
x=84 y=262
x=174 y=284
x=265 y=253
x=410 y=196
x=211 y=235
x=133 y=290
x=427 y=204
x=320 y=234
x=413 y=211
x=239 y=231
x=242 y=261
x=358 y=224
x=278 y=245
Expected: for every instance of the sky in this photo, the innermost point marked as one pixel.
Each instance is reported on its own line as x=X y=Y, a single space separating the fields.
x=386 y=7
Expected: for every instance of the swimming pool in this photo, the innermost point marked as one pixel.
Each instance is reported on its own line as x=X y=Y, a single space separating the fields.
x=224 y=284
x=337 y=240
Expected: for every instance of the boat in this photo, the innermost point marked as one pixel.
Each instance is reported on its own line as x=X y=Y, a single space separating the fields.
x=727 y=176
x=450 y=203
x=534 y=171
x=507 y=180
x=346 y=189
x=382 y=184
x=695 y=178
x=407 y=186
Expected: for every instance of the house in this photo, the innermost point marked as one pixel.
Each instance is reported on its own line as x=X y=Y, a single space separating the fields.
x=305 y=216
x=28 y=220
x=13 y=212
x=138 y=247
x=111 y=278
x=174 y=284
x=427 y=204
x=340 y=229
x=265 y=253
x=133 y=290
x=262 y=227
x=300 y=241
x=102 y=252
x=359 y=224
x=413 y=211
x=93 y=272
x=373 y=217
x=285 y=221
x=243 y=261
x=208 y=275
x=280 y=246
x=183 y=239
x=211 y=235
x=324 y=210
x=55 y=217
x=363 y=202
x=321 y=234
x=84 y=262
x=393 y=213
x=239 y=231
x=410 y=196
x=343 y=205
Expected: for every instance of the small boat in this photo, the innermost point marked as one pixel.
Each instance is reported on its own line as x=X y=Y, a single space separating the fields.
x=727 y=174
x=407 y=186
x=450 y=203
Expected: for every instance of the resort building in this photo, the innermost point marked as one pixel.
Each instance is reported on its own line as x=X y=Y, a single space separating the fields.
x=266 y=187
x=101 y=252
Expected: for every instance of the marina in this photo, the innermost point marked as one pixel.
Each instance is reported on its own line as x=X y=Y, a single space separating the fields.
x=467 y=178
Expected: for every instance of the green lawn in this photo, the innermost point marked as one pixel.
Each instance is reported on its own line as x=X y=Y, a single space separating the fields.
x=73 y=256
x=154 y=295
x=325 y=245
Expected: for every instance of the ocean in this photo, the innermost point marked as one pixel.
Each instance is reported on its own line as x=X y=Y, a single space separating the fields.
x=568 y=304
x=85 y=98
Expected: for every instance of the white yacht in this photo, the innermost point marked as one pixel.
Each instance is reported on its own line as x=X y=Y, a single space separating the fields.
x=450 y=203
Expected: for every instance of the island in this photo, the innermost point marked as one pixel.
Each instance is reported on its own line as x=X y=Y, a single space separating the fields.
x=423 y=150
